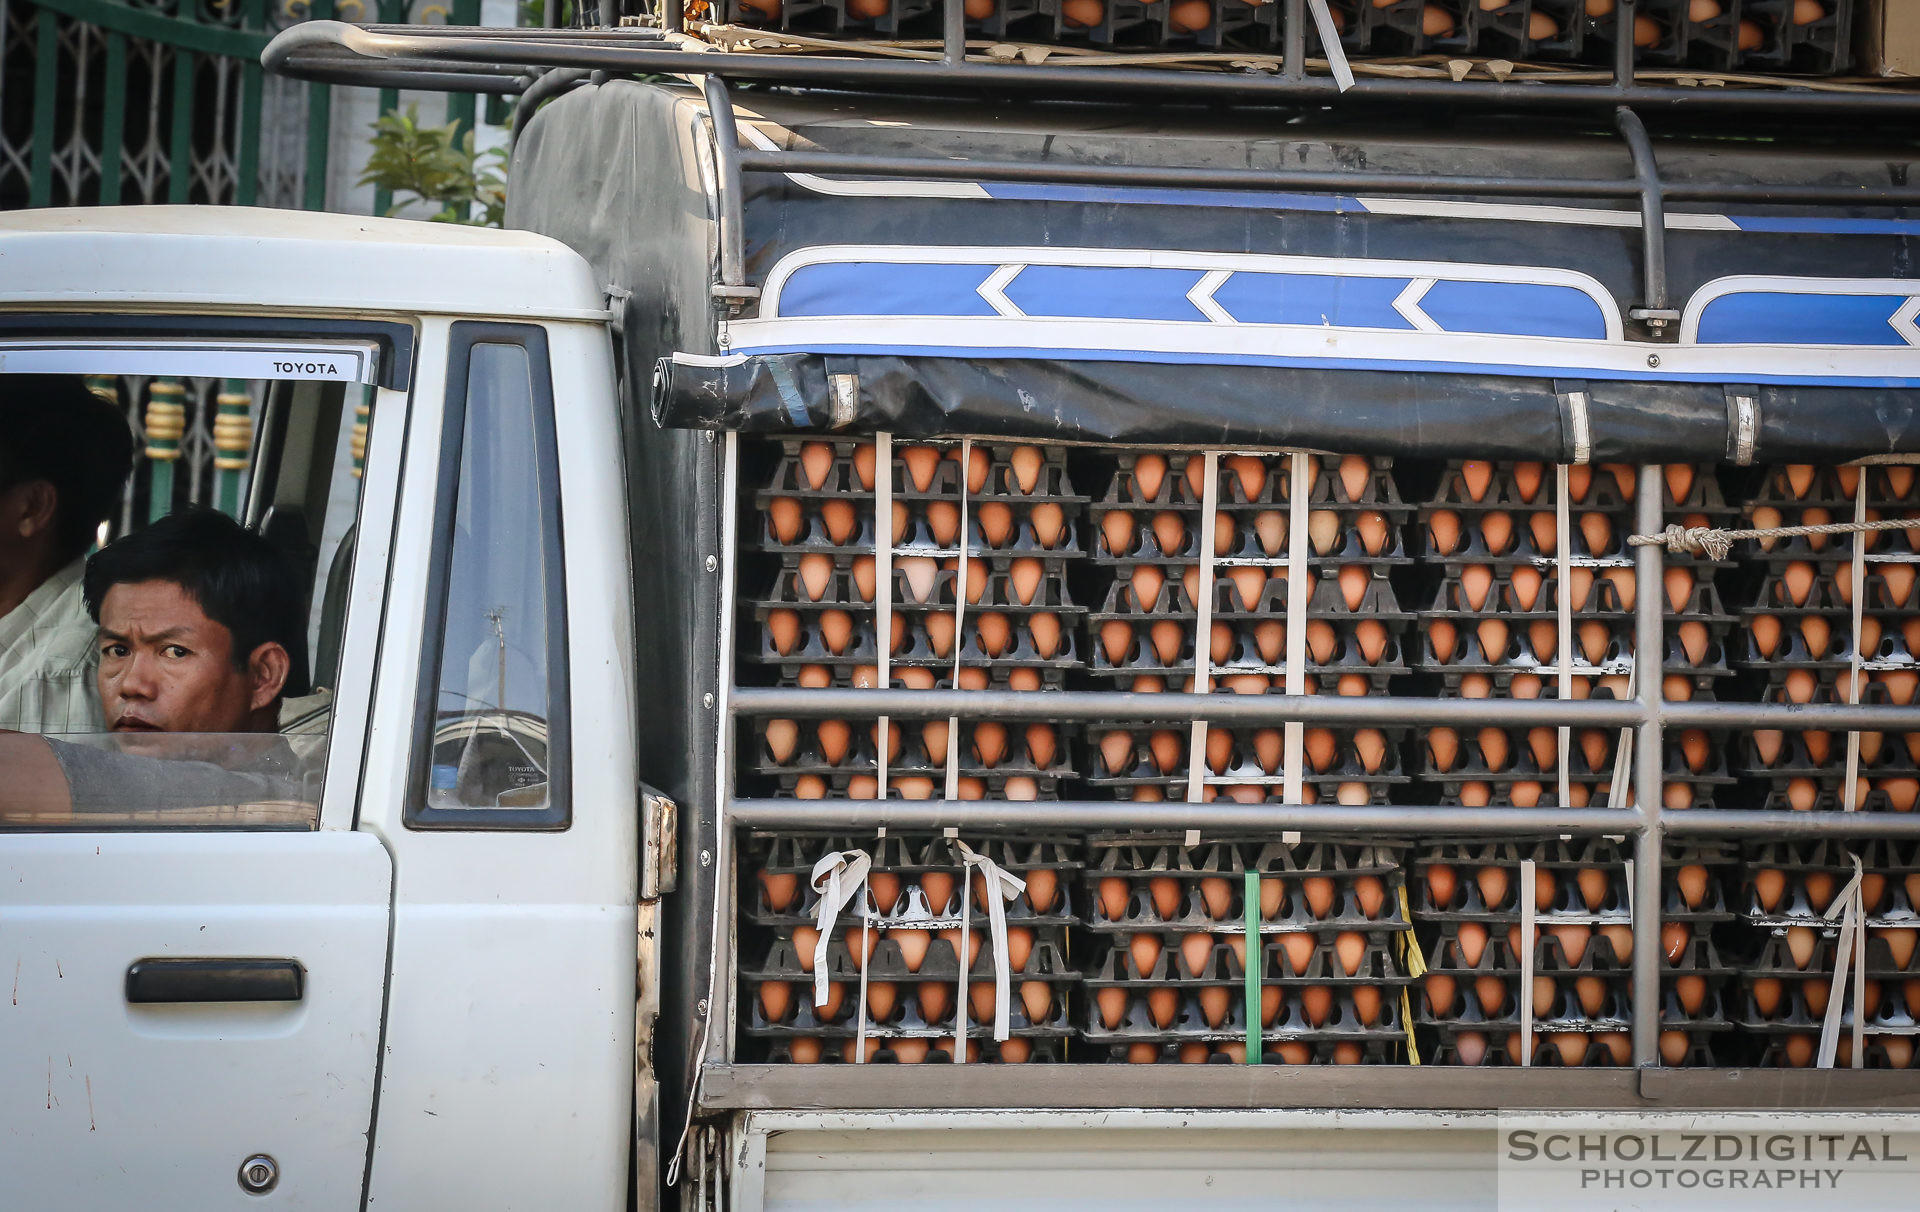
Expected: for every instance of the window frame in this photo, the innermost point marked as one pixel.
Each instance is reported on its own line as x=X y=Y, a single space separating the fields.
x=557 y=816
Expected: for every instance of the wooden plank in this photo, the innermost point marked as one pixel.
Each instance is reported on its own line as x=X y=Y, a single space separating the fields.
x=1243 y=1087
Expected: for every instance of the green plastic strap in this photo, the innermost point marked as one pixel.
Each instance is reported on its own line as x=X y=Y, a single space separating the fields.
x=1251 y=900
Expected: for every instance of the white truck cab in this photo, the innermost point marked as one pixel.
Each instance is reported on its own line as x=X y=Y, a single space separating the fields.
x=459 y=1027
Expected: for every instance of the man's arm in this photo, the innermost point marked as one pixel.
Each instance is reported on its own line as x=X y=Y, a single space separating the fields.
x=33 y=787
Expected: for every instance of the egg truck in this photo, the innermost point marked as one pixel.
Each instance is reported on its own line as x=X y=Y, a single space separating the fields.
x=978 y=607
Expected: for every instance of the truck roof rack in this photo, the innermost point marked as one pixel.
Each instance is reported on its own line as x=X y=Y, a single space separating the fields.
x=506 y=60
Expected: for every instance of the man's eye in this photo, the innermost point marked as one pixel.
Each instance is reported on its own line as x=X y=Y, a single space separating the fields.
x=177 y=652
x=114 y=650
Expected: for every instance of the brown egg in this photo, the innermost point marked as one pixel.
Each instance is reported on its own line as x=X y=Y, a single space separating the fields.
x=1323 y=530
x=1443 y=745
x=1472 y=938
x=1170 y=532
x=1679 y=585
x=1801 y=942
x=1470 y=1047
x=1044 y=629
x=1496 y=530
x=1816 y=517
x=1476 y=476
x=1475 y=581
x=1579 y=587
x=1321 y=641
x=1494 y=748
x=1798 y=582
x=1622 y=581
x=1249 y=582
x=1692 y=636
x=1765 y=517
x=1224 y=534
x=885 y=889
x=1026 y=462
x=939 y=627
x=1251 y=472
x=1167 y=637
x=1593 y=639
x=994 y=632
x=882 y=998
x=1573 y=941
x=1444 y=528
x=815 y=575
x=1597 y=530
x=1023 y=577
x=1319 y=748
x=1317 y=1002
x=1442 y=637
x=1545 y=529
x=1766 y=634
x=1370 y=745
x=1901 y=793
x=1374 y=532
x=1194 y=951
x=783 y=628
x=1048 y=523
x=1621 y=938
x=816 y=461
x=1493 y=637
x=1116 y=641
x=1692 y=881
x=1571 y=1046
x=1441 y=885
x=1268 y=744
x=996 y=523
x=1112 y=1004
x=776 y=999
x=1354 y=579
x=1543 y=638
x=1350 y=947
x=1144 y=950
x=1356 y=472
x=1366 y=1004
x=1527 y=478
x=1270 y=528
x=1162 y=1004
x=1492 y=882
x=1117 y=527
x=921 y=463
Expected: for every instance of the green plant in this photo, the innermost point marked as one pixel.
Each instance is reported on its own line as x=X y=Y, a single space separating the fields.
x=438 y=166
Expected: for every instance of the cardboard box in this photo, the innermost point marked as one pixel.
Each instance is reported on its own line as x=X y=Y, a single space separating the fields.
x=1888 y=37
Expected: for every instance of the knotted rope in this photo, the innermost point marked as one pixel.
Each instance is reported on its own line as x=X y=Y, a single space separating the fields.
x=1715 y=543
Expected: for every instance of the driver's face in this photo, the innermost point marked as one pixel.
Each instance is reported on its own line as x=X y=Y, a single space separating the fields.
x=165 y=666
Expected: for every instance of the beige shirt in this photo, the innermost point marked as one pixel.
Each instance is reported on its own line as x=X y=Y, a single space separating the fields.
x=47 y=660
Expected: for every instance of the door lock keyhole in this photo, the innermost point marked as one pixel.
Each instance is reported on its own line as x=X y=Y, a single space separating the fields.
x=259 y=1174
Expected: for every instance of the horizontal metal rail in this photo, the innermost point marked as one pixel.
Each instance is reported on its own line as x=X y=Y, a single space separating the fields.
x=329 y=56
x=977 y=815
x=1230 y=710
x=1305 y=180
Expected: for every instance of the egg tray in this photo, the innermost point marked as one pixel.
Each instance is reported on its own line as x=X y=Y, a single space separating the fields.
x=1043 y=1051
x=1246 y=550
x=1824 y=597
x=916 y=647
x=1825 y=487
x=1568 y=904
x=1325 y=600
x=1470 y=763
x=911 y=912
x=1243 y=767
x=905 y=1022
x=1777 y=1056
x=1565 y=1014
x=1047 y=961
x=1453 y=795
x=1346 y=656
x=1153 y=854
x=997 y=593
x=1546 y=1054
x=1828 y=796
x=1791 y=650
x=1795 y=761
x=1793 y=1014
x=842 y=479
x=1345 y=915
x=1326 y=488
x=1886 y=546
x=1895 y=912
x=1501 y=957
x=862 y=752
x=1703 y=495
x=1501 y=601
x=1503 y=493
x=919 y=785
x=1327 y=1052
x=1290 y=1021
x=1884 y=855
x=1520 y=549
x=1223 y=968
x=1375 y=680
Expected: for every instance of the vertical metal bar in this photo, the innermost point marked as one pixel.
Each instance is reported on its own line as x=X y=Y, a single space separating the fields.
x=460 y=106
x=166 y=425
x=46 y=75
x=1623 y=44
x=1294 y=64
x=1649 y=646
x=319 y=127
x=673 y=16
x=113 y=118
x=180 y=142
x=953 y=31
x=726 y=163
x=246 y=191
x=1653 y=210
x=232 y=444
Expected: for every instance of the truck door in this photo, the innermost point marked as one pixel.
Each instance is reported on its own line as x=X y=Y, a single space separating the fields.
x=193 y=992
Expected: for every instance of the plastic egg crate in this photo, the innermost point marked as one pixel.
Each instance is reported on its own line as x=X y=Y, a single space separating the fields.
x=914 y=881
x=912 y=979
x=1750 y=35
x=1167 y=886
x=1145 y=990
x=812 y=1050
x=916 y=747
x=1339 y=765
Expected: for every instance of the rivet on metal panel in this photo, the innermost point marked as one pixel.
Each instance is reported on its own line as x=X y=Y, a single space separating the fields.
x=706 y=700
x=700 y=1007
x=1653 y=359
x=706 y=858
x=713 y=563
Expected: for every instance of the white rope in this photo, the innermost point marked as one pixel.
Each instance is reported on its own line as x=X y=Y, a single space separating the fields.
x=959 y=621
x=1330 y=43
x=838 y=878
x=1295 y=736
x=1203 y=629
x=1563 y=601
x=1002 y=886
x=1849 y=796
x=1850 y=959
x=883 y=591
x=1527 y=892
x=1715 y=543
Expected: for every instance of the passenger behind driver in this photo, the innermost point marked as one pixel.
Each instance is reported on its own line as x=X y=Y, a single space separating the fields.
x=64 y=458
x=199 y=621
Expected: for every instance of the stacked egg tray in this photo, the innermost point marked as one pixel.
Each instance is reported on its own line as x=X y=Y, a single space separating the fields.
x=913 y=965
x=1745 y=35
x=996 y=761
x=1797 y=636
x=1467 y=894
x=1786 y=892
x=1490 y=534
x=1169 y=977
x=1143 y=635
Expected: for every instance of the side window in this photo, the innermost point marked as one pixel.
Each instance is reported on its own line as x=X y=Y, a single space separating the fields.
x=491 y=718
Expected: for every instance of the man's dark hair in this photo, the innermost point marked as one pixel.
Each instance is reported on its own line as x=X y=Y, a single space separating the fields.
x=58 y=431
x=238 y=579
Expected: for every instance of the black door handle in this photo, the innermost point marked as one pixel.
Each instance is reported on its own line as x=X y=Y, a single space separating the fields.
x=216 y=980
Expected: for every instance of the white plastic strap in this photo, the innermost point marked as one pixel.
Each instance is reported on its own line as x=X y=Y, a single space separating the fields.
x=1527 y=883
x=1297 y=593
x=1563 y=602
x=1330 y=43
x=1203 y=629
x=883 y=588
x=838 y=878
x=1002 y=886
x=1850 y=795
x=1618 y=790
x=1851 y=959
x=959 y=622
